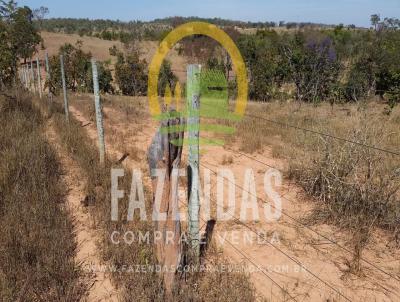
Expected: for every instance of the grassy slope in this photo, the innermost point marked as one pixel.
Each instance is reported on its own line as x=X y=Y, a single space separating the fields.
x=100 y=49
x=37 y=246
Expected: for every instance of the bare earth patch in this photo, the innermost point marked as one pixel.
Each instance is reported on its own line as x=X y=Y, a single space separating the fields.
x=87 y=237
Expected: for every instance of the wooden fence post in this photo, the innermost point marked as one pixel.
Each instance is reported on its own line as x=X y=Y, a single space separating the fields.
x=48 y=75
x=99 y=113
x=21 y=76
x=64 y=84
x=26 y=81
x=39 y=77
x=33 y=78
x=24 y=75
x=166 y=156
x=193 y=124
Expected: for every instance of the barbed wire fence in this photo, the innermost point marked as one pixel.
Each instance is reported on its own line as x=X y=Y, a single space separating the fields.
x=34 y=85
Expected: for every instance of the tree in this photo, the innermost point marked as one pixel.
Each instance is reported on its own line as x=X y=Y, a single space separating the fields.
x=375 y=19
x=77 y=65
x=361 y=80
x=24 y=35
x=7 y=57
x=313 y=65
x=376 y=66
x=7 y=9
x=388 y=66
x=130 y=73
x=264 y=61
x=40 y=13
x=104 y=76
x=78 y=70
x=19 y=39
x=166 y=78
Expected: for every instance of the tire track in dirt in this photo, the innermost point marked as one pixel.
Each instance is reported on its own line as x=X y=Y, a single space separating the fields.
x=87 y=237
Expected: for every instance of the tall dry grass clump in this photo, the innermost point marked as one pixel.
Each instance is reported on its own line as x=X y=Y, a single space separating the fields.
x=37 y=245
x=358 y=187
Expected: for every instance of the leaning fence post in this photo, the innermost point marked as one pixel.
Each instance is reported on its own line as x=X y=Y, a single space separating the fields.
x=99 y=114
x=39 y=77
x=64 y=84
x=193 y=124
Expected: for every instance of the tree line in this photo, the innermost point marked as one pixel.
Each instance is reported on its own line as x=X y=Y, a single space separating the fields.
x=106 y=29
x=311 y=64
x=339 y=64
x=334 y=65
x=152 y=30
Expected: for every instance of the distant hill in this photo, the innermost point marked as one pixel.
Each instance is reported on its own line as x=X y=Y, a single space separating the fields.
x=153 y=30
x=100 y=49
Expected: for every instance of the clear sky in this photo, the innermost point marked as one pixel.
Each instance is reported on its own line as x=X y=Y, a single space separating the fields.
x=318 y=11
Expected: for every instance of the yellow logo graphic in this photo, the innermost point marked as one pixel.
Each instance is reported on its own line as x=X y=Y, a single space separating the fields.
x=189 y=29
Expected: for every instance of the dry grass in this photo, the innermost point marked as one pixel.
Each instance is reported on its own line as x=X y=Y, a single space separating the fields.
x=100 y=49
x=123 y=119
x=215 y=286
x=141 y=287
x=227 y=160
x=37 y=245
x=358 y=187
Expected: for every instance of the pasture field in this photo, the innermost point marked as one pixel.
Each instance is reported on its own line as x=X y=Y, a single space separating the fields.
x=323 y=177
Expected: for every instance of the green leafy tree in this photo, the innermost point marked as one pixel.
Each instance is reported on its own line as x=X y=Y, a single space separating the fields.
x=7 y=9
x=78 y=70
x=388 y=74
x=24 y=35
x=77 y=66
x=7 y=57
x=313 y=64
x=264 y=61
x=19 y=39
x=104 y=76
x=130 y=74
x=375 y=19
x=166 y=78
x=376 y=67
x=361 y=80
